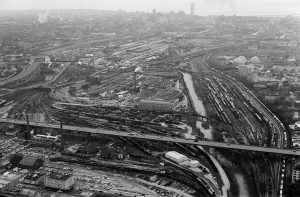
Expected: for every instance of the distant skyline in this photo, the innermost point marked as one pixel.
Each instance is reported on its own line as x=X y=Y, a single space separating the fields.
x=202 y=7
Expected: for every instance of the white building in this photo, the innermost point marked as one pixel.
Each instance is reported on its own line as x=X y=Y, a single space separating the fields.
x=47 y=60
x=177 y=157
x=194 y=163
x=182 y=159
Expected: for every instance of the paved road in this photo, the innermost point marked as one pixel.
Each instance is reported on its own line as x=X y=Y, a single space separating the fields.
x=290 y=152
x=28 y=70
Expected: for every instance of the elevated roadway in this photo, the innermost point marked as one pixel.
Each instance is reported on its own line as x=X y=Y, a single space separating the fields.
x=289 y=152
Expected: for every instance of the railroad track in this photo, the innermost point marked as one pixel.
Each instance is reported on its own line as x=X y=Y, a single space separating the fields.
x=277 y=127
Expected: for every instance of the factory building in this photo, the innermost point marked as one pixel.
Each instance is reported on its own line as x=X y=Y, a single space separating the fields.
x=192 y=8
x=60 y=181
x=156 y=105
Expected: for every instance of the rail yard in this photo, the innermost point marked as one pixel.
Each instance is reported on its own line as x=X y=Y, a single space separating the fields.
x=142 y=112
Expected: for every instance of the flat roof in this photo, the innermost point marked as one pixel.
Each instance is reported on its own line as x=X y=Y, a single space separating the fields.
x=194 y=161
x=176 y=155
x=58 y=176
x=34 y=176
x=153 y=101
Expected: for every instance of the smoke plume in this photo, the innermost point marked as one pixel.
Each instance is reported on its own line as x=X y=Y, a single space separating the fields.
x=43 y=17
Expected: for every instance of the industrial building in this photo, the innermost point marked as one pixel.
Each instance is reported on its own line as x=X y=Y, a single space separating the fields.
x=34 y=178
x=177 y=157
x=156 y=105
x=60 y=181
x=194 y=163
x=192 y=8
x=182 y=159
x=30 y=162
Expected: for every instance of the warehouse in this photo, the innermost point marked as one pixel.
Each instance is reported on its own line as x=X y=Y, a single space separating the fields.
x=156 y=105
x=59 y=181
x=177 y=157
x=194 y=163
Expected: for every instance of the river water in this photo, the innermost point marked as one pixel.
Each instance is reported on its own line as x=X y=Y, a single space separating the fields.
x=242 y=184
x=199 y=108
x=198 y=105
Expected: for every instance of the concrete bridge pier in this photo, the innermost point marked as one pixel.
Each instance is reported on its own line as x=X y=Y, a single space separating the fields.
x=27 y=131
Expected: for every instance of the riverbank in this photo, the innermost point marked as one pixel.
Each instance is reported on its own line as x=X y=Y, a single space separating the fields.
x=234 y=180
x=209 y=111
x=198 y=106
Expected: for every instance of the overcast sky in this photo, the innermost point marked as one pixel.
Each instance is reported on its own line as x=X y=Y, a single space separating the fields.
x=203 y=7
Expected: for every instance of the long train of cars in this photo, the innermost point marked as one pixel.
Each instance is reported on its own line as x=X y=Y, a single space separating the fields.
x=223 y=98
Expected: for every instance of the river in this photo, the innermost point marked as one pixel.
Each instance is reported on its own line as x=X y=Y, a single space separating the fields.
x=199 y=108
x=242 y=184
x=197 y=104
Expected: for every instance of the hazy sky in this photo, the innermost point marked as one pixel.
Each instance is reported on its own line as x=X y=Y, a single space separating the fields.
x=203 y=7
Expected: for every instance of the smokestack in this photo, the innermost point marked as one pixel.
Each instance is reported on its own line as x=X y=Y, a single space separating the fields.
x=192 y=9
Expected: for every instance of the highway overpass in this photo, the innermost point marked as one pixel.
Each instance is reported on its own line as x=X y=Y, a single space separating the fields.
x=214 y=144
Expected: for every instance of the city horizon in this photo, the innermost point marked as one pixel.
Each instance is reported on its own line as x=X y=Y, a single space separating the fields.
x=202 y=7
x=163 y=12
